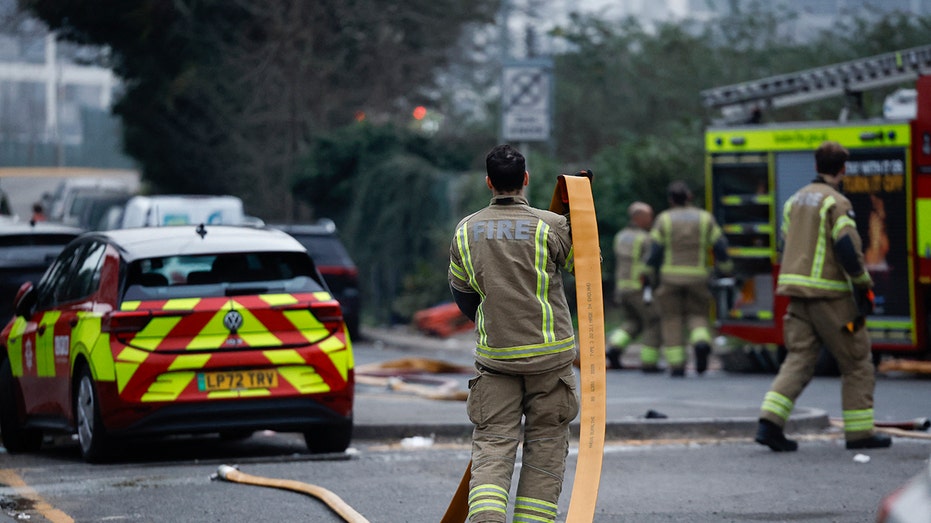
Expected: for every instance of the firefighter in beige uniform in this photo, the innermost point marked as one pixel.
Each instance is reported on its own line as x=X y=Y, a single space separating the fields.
x=683 y=236
x=504 y=272
x=631 y=278
x=828 y=286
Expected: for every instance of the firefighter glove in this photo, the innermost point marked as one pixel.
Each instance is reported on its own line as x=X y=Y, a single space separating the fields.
x=865 y=300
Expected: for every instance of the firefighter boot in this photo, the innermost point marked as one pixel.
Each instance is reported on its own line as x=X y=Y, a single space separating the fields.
x=614 y=358
x=876 y=441
x=771 y=435
x=702 y=351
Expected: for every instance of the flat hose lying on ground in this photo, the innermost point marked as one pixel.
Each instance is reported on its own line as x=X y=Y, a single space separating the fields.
x=574 y=194
x=334 y=502
x=905 y=429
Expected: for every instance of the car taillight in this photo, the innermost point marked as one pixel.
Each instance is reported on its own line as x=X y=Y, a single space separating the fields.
x=328 y=313
x=118 y=322
x=125 y=321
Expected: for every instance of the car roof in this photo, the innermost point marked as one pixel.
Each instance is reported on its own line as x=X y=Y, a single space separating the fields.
x=25 y=227
x=152 y=242
x=321 y=228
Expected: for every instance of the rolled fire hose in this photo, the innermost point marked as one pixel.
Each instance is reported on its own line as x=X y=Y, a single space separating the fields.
x=334 y=502
x=904 y=429
x=574 y=193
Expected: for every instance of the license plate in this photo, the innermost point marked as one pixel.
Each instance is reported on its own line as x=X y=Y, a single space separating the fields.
x=237 y=379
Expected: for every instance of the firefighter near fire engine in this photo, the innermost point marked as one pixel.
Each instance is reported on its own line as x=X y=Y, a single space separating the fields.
x=633 y=291
x=504 y=273
x=830 y=294
x=683 y=236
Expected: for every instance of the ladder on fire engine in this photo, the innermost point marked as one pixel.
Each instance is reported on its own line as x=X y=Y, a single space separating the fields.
x=846 y=78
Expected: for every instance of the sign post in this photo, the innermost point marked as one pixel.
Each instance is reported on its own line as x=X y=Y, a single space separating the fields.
x=526 y=100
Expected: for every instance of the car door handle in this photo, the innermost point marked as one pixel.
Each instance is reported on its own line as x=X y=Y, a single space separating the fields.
x=41 y=329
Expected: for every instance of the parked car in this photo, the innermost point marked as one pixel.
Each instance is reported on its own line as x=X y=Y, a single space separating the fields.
x=335 y=264
x=66 y=204
x=179 y=209
x=107 y=345
x=26 y=250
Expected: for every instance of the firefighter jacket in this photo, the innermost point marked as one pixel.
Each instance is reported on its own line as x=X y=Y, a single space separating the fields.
x=815 y=220
x=511 y=254
x=631 y=250
x=685 y=236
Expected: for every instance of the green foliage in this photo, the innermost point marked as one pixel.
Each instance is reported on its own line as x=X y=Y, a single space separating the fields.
x=386 y=191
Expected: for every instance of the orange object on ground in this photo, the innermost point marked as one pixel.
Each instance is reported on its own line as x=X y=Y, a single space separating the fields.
x=443 y=320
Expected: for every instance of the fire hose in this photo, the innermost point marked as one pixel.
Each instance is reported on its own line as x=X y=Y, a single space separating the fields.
x=574 y=193
x=906 y=429
x=334 y=502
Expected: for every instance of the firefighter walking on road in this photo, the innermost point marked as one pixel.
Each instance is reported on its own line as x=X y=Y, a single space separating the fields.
x=504 y=272
x=632 y=285
x=683 y=236
x=829 y=289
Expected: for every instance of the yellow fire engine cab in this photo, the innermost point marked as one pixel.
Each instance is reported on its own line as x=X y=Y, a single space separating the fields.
x=752 y=169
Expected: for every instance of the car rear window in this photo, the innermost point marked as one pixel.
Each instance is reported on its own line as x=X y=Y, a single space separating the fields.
x=19 y=240
x=221 y=275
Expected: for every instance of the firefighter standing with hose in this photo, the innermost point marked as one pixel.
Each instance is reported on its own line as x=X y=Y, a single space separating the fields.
x=683 y=235
x=632 y=288
x=829 y=289
x=504 y=273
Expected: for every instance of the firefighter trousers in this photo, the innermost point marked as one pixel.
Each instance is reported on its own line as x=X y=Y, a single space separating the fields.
x=497 y=402
x=811 y=323
x=683 y=306
x=640 y=322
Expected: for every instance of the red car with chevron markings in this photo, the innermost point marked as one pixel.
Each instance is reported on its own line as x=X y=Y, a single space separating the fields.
x=176 y=330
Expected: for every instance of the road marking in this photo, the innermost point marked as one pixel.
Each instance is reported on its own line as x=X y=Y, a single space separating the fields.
x=12 y=479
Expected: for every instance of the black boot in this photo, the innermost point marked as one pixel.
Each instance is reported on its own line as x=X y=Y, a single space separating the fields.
x=770 y=434
x=876 y=441
x=702 y=351
x=614 y=359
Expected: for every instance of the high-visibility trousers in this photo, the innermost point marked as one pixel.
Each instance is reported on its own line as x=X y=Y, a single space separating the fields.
x=811 y=323
x=683 y=307
x=497 y=403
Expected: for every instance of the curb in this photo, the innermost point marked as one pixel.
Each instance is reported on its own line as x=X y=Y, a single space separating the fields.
x=803 y=421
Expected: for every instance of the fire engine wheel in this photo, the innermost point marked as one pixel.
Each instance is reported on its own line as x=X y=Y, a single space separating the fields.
x=329 y=438
x=92 y=435
x=16 y=438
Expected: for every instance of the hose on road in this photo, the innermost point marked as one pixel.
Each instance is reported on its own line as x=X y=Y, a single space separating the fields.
x=334 y=502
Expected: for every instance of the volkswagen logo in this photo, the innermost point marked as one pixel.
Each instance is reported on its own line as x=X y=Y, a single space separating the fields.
x=232 y=321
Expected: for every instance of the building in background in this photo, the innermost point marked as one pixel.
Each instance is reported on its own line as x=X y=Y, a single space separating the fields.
x=54 y=111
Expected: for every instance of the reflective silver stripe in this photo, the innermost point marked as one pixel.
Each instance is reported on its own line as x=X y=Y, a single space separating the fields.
x=858 y=420
x=462 y=242
x=541 y=255
x=703 y=234
x=530 y=510
x=778 y=404
x=458 y=272
x=817 y=264
x=525 y=351
x=814 y=283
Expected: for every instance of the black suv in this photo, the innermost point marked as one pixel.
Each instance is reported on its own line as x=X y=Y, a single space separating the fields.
x=334 y=263
x=26 y=250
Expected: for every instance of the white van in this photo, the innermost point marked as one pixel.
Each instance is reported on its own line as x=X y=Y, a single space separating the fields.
x=163 y=210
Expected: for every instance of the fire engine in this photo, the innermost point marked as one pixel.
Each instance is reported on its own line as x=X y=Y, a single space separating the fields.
x=751 y=170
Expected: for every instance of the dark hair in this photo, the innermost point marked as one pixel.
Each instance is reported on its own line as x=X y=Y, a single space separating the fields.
x=830 y=158
x=679 y=192
x=505 y=167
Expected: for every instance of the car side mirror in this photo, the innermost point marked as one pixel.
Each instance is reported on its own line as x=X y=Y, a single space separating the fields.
x=25 y=300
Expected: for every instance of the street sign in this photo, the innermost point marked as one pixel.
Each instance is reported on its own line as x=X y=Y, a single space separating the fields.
x=527 y=92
